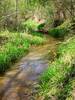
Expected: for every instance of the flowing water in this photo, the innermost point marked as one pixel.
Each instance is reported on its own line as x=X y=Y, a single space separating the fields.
x=19 y=82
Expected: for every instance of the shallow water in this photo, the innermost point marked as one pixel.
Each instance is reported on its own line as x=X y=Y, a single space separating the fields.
x=19 y=82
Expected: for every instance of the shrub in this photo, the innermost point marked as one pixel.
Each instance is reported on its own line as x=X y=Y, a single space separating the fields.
x=58 y=32
x=41 y=26
x=30 y=25
x=61 y=30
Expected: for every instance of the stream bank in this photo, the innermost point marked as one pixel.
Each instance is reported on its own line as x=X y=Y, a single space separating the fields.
x=19 y=82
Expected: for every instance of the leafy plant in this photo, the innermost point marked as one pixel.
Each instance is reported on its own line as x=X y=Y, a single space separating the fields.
x=61 y=30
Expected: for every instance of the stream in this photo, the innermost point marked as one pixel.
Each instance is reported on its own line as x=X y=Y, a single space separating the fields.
x=20 y=81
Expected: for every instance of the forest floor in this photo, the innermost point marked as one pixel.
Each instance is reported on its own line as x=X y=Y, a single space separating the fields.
x=21 y=81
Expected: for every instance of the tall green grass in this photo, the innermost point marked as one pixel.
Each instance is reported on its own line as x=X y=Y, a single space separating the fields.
x=17 y=46
x=58 y=73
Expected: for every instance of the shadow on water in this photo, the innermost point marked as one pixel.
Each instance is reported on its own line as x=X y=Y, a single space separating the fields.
x=19 y=83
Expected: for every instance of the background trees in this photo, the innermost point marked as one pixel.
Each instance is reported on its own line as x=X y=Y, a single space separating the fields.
x=12 y=13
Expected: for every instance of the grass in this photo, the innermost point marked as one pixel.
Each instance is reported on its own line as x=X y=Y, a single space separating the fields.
x=36 y=38
x=30 y=25
x=68 y=92
x=70 y=89
x=55 y=78
x=16 y=46
x=61 y=30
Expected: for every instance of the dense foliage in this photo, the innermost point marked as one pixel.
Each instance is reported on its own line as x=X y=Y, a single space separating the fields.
x=60 y=72
x=16 y=46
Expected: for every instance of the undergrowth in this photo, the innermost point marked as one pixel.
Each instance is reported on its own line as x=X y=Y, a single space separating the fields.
x=62 y=30
x=32 y=26
x=58 y=74
x=17 y=46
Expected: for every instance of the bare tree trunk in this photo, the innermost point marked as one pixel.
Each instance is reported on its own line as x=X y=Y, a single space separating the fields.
x=72 y=10
x=17 y=15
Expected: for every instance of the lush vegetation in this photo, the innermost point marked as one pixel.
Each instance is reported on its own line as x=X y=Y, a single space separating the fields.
x=30 y=25
x=17 y=45
x=60 y=72
x=24 y=23
x=62 y=30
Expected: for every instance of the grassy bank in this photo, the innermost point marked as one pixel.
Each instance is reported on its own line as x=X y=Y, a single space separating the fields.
x=58 y=74
x=68 y=91
x=62 y=30
x=16 y=46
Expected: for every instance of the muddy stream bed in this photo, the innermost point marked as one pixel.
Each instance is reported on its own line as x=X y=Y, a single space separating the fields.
x=20 y=81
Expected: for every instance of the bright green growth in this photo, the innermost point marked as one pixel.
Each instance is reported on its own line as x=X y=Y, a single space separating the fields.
x=30 y=25
x=17 y=46
x=61 y=30
x=53 y=78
